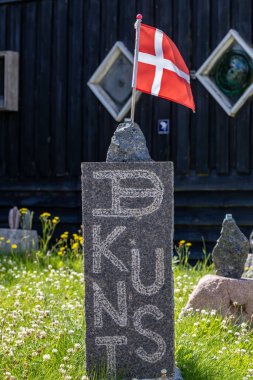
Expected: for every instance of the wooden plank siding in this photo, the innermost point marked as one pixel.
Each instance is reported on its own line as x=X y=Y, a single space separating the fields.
x=61 y=123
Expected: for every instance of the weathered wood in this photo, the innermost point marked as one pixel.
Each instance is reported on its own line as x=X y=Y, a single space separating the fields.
x=241 y=21
x=91 y=105
x=13 y=129
x=59 y=87
x=162 y=108
x=181 y=27
x=221 y=20
x=27 y=83
x=43 y=136
x=61 y=123
x=6 y=2
x=109 y=25
x=3 y=12
x=200 y=48
x=75 y=85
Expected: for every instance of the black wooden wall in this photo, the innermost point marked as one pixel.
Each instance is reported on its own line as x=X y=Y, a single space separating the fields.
x=60 y=122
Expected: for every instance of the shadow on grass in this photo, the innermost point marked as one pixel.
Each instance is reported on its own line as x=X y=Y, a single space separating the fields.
x=189 y=366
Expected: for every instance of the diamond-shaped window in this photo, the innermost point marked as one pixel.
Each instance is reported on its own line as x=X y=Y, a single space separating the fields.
x=228 y=73
x=111 y=82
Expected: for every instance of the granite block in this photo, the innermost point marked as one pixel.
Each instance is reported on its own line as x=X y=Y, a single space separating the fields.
x=128 y=244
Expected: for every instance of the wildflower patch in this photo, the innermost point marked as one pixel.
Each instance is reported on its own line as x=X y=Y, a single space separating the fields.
x=128 y=229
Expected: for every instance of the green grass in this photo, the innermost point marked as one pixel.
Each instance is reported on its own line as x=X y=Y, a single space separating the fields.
x=42 y=326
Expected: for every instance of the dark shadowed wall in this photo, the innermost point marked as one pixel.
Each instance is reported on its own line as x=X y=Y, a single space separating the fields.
x=60 y=122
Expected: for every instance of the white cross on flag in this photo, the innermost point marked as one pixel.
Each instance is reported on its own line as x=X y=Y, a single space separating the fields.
x=161 y=69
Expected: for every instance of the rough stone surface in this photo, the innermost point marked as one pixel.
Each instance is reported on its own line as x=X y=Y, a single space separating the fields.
x=231 y=250
x=228 y=296
x=128 y=144
x=128 y=245
x=26 y=240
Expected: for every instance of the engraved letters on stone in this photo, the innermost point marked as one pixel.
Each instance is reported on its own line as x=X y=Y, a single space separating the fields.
x=128 y=230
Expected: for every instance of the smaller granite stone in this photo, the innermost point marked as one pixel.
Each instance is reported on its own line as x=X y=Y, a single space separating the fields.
x=231 y=250
x=128 y=144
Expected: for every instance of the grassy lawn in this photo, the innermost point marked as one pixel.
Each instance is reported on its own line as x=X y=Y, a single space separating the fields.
x=42 y=326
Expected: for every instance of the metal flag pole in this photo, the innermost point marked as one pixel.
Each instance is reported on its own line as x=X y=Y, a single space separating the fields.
x=137 y=26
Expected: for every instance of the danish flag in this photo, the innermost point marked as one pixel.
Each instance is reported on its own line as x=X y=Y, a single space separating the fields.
x=161 y=69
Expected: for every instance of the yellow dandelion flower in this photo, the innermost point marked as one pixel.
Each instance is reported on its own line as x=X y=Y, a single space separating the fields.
x=55 y=220
x=8 y=241
x=1 y=238
x=188 y=244
x=23 y=210
x=14 y=246
x=45 y=215
x=60 y=253
x=64 y=236
x=75 y=246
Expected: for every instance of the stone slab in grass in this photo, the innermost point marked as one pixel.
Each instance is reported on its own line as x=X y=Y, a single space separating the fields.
x=25 y=240
x=128 y=236
x=228 y=296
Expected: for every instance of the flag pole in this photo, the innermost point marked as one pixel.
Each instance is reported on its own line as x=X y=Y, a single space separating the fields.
x=137 y=26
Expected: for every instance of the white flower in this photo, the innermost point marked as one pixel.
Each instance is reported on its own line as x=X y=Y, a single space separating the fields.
x=46 y=357
x=54 y=350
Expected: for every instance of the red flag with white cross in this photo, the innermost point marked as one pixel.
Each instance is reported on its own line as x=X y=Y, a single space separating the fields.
x=159 y=67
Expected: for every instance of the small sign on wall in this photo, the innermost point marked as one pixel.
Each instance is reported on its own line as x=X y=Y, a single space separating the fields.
x=163 y=127
x=9 y=78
